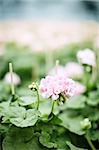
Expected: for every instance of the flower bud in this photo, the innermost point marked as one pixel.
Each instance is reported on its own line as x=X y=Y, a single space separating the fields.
x=33 y=86
x=16 y=78
x=86 y=124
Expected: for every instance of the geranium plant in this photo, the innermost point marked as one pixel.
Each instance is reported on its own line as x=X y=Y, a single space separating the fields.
x=58 y=112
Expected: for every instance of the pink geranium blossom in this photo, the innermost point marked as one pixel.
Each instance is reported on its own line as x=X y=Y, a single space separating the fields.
x=53 y=86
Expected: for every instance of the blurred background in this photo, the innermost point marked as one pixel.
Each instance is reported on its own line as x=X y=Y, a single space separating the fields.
x=46 y=26
x=35 y=22
x=49 y=9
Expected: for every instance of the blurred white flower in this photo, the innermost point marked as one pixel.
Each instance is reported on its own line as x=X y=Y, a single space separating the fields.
x=87 y=56
x=16 y=78
x=80 y=88
x=74 y=70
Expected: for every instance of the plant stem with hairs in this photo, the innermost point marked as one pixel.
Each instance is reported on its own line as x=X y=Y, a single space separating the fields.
x=12 y=84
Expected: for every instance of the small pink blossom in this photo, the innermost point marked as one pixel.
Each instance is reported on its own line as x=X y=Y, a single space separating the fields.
x=57 y=70
x=74 y=70
x=53 y=86
x=80 y=88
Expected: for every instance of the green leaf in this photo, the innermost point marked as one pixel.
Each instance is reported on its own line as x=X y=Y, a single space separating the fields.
x=4 y=106
x=21 y=117
x=4 y=128
x=29 y=119
x=26 y=100
x=87 y=112
x=54 y=136
x=4 y=91
x=21 y=139
x=55 y=120
x=45 y=107
x=76 y=102
x=72 y=147
x=72 y=122
x=13 y=112
x=45 y=140
x=93 y=99
x=93 y=134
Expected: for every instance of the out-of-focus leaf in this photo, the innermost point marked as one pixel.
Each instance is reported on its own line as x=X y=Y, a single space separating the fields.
x=21 y=139
x=54 y=136
x=45 y=140
x=76 y=102
x=72 y=122
x=26 y=100
x=93 y=99
x=72 y=147
x=4 y=106
x=4 y=128
x=94 y=134
x=4 y=91
x=45 y=107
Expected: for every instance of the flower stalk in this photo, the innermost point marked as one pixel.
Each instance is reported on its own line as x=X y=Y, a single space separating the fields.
x=38 y=100
x=53 y=104
x=12 y=84
x=34 y=87
x=97 y=61
x=90 y=142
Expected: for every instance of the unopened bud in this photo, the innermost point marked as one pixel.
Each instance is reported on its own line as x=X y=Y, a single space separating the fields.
x=86 y=124
x=33 y=86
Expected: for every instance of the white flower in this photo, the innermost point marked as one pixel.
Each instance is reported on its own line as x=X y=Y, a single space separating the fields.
x=87 y=56
x=74 y=70
x=16 y=78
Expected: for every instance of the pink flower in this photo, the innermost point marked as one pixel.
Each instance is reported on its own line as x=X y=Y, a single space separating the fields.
x=53 y=86
x=57 y=70
x=74 y=70
x=80 y=88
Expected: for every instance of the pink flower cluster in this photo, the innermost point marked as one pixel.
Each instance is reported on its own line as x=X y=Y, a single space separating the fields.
x=52 y=86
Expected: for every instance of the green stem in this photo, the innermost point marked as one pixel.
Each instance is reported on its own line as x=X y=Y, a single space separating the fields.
x=90 y=143
x=11 y=73
x=98 y=65
x=38 y=100
x=53 y=106
x=97 y=62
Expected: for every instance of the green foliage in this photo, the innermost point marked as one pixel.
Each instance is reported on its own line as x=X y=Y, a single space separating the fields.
x=22 y=139
x=4 y=91
x=76 y=102
x=26 y=100
x=45 y=139
x=72 y=147
x=72 y=122
x=23 y=127
x=20 y=117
